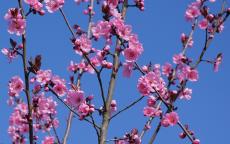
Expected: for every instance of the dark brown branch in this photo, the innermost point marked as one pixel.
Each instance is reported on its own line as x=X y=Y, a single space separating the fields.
x=67 y=22
x=94 y=125
x=55 y=132
x=127 y=107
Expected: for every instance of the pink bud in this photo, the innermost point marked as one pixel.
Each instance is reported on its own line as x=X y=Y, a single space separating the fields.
x=196 y=141
x=182 y=135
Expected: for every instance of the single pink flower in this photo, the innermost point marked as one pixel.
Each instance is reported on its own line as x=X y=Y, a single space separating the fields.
x=151 y=101
x=113 y=106
x=59 y=86
x=193 y=11
x=131 y=54
x=48 y=140
x=127 y=69
x=170 y=119
x=203 y=24
x=75 y=98
x=167 y=69
x=217 y=62
x=192 y=75
x=113 y=3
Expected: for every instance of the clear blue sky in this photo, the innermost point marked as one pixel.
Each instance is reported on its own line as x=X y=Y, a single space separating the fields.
x=159 y=28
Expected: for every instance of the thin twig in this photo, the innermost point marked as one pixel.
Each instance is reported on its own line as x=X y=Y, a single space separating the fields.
x=55 y=132
x=149 y=122
x=127 y=107
x=67 y=22
x=94 y=125
x=153 y=137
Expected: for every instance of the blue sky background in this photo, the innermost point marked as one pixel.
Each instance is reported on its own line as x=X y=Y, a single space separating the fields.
x=159 y=28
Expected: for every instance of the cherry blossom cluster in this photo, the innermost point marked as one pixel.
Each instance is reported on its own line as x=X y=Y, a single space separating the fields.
x=208 y=21
x=130 y=138
x=160 y=84
x=46 y=78
x=51 y=5
x=16 y=23
x=43 y=112
x=77 y=100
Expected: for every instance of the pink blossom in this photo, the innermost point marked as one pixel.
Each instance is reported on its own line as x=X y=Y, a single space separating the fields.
x=102 y=28
x=193 y=11
x=59 y=86
x=196 y=141
x=16 y=23
x=84 y=110
x=170 y=119
x=15 y=86
x=167 y=69
x=178 y=59
x=150 y=82
x=18 y=126
x=37 y=5
x=54 y=5
x=43 y=76
x=217 y=62
x=127 y=69
x=82 y=44
x=212 y=1
x=11 y=54
x=203 y=24
x=151 y=112
x=133 y=51
x=151 y=101
x=75 y=98
x=113 y=106
x=192 y=75
x=131 y=54
x=186 y=94
x=48 y=140
x=44 y=112
x=73 y=67
x=143 y=86
x=113 y=3
x=186 y=40
x=140 y=4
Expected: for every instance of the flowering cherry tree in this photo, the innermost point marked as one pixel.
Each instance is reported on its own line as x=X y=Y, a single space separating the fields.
x=107 y=45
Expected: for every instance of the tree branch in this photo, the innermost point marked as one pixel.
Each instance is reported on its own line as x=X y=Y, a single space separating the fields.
x=26 y=79
x=106 y=114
